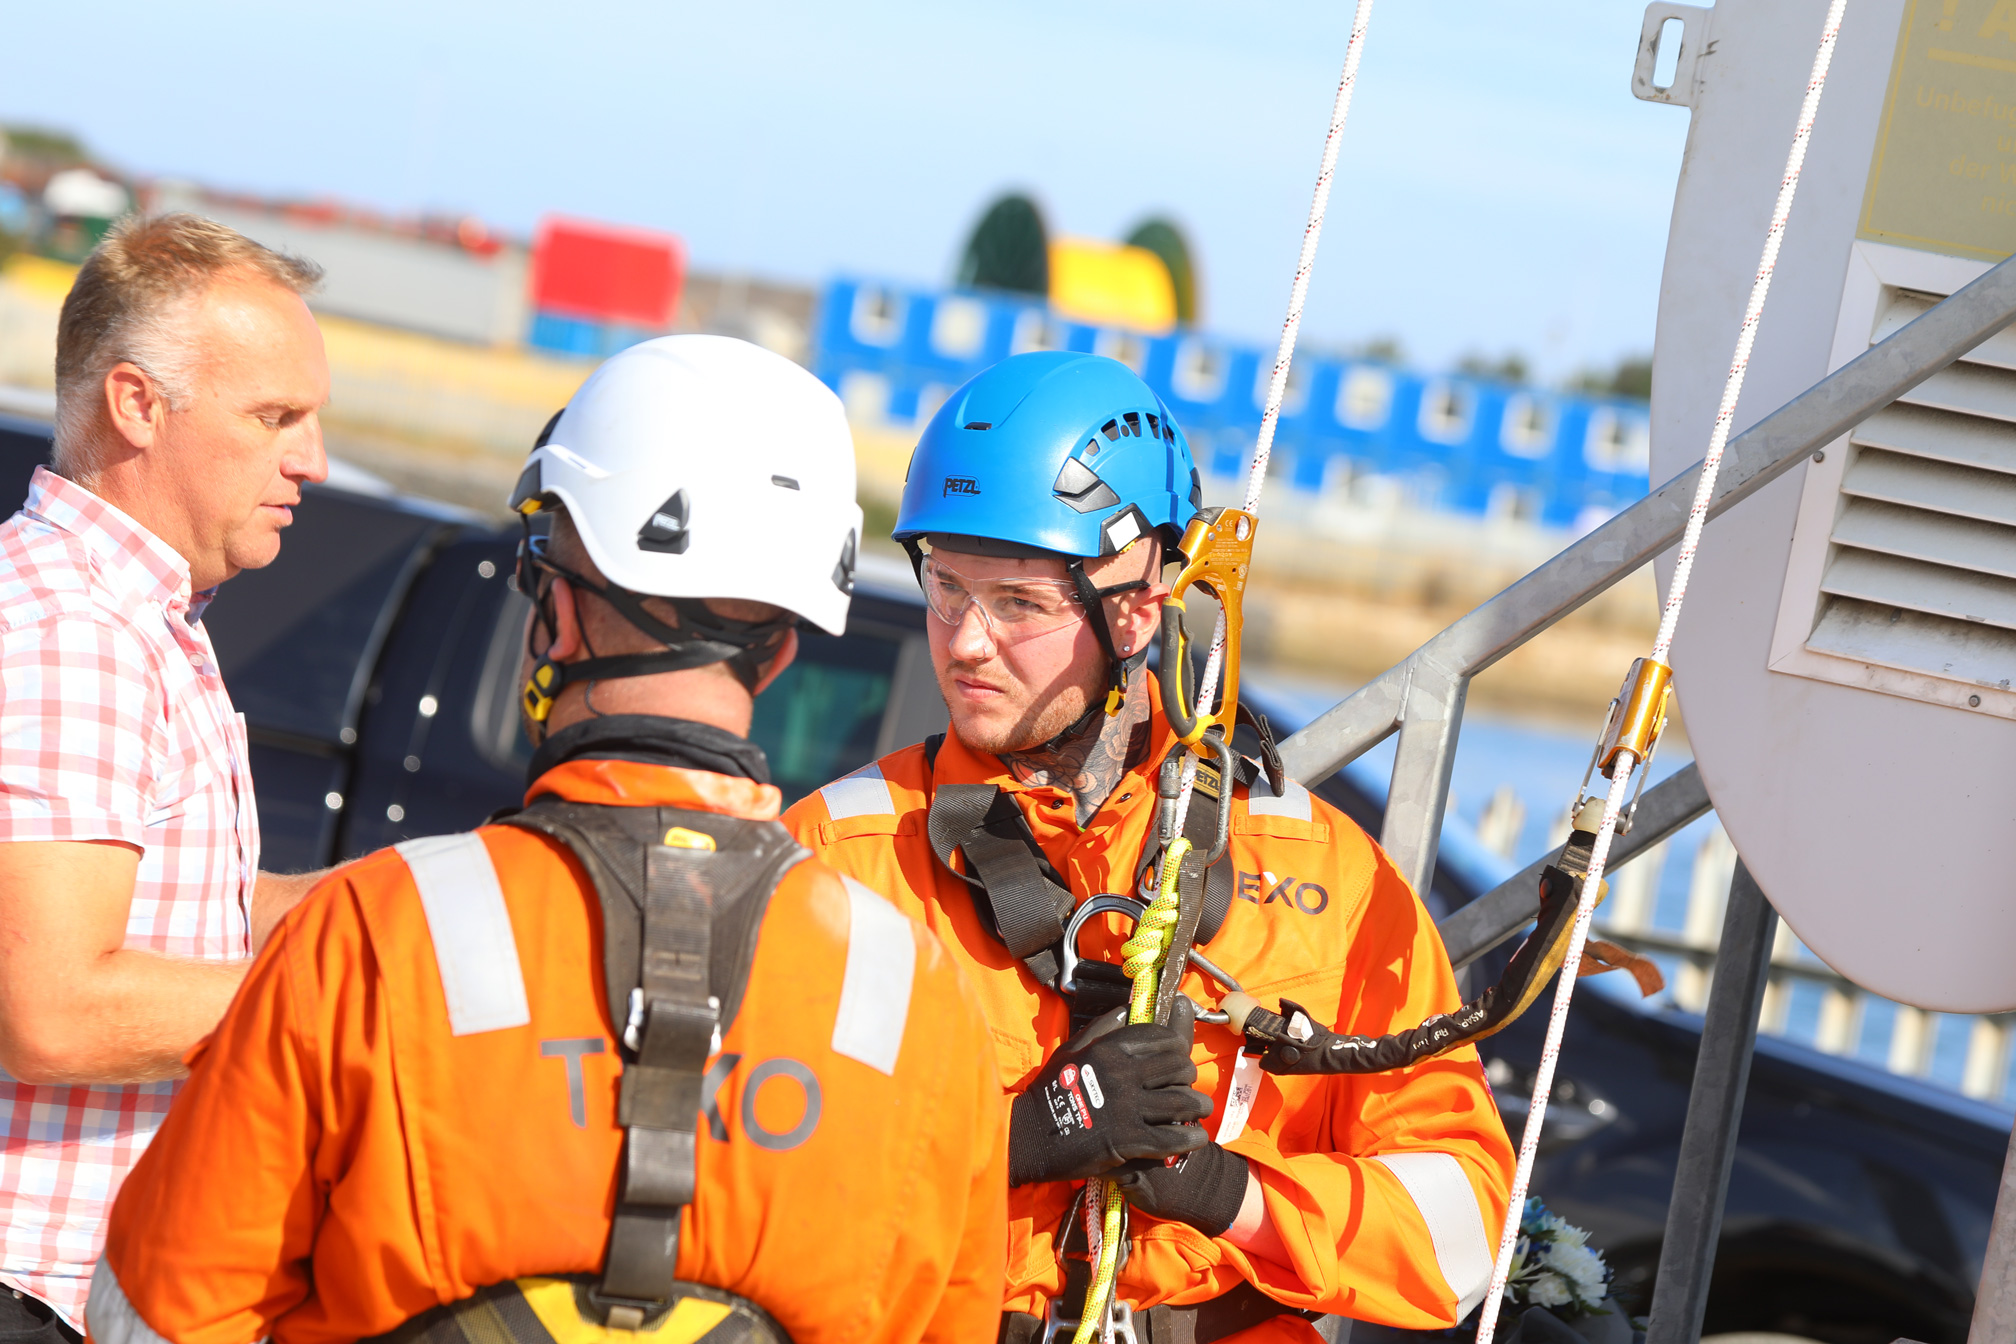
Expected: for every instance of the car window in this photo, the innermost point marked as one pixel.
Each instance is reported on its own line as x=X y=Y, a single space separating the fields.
x=495 y=724
x=24 y=446
x=821 y=719
x=296 y=640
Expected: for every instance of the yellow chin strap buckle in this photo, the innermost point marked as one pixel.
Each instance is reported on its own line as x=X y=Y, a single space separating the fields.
x=540 y=690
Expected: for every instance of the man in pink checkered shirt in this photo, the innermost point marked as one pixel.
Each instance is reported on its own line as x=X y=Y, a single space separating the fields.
x=189 y=373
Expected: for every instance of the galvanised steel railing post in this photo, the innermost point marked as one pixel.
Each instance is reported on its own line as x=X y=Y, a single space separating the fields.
x=1714 y=1112
x=1995 y=1300
x=1429 y=723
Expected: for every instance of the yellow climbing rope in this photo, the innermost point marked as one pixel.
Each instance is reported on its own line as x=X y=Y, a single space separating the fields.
x=1144 y=955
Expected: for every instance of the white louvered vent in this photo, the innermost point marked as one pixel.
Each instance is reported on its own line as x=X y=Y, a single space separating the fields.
x=1918 y=574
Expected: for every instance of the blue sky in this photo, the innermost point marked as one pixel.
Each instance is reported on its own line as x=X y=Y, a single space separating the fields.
x=1499 y=188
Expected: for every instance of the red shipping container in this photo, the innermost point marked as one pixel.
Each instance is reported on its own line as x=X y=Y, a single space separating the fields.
x=607 y=273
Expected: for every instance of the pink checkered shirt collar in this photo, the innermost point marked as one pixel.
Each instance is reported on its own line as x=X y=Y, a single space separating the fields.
x=131 y=561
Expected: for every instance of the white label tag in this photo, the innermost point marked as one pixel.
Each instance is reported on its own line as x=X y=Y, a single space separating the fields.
x=1092 y=1089
x=1239 y=1101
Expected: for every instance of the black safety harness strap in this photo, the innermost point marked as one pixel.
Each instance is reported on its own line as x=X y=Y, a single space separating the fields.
x=1020 y=894
x=1019 y=891
x=679 y=928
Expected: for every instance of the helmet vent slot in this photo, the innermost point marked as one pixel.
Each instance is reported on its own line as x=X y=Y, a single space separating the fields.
x=843 y=573
x=665 y=530
x=528 y=488
x=979 y=424
x=1111 y=429
x=1154 y=428
x=1133 y=419
x=1081 y=489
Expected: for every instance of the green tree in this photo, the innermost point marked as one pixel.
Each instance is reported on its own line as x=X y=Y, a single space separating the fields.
x=1009 y=249
x=1166 y=241
x=1511 y=368
x=56 y=149
x=1631 y=377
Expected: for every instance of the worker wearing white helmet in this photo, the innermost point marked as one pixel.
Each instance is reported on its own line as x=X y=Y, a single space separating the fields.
x=629 y=1060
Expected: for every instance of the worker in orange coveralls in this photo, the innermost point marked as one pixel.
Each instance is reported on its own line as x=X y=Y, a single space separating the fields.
x=1040 y=504
x=632 y=1064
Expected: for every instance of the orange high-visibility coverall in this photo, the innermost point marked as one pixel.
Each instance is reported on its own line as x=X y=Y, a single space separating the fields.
x=340 y=1162
x=1388 y=1189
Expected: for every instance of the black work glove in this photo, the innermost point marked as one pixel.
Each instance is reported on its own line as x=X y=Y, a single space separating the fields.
x=1204 y=1189
x=1111 y=1094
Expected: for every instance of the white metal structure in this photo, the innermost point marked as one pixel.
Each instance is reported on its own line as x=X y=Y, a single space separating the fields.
x=1846 y=670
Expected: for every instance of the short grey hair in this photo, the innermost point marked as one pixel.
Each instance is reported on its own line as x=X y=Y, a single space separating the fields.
x=123 y=306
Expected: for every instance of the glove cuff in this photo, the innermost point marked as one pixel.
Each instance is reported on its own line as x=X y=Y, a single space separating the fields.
x=1219 y=1192
x=1028 y=1121
x=1206 y=1192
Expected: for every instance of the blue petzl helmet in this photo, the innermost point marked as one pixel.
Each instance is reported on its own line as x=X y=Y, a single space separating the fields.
x=1058 y=452
x=1053 y=453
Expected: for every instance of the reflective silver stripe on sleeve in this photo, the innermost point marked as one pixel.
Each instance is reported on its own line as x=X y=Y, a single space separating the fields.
x=875 y=993
x=862 y=794
x=1440 y=1190
x=473 y=944
x=1261 y=802
x=113 y=1319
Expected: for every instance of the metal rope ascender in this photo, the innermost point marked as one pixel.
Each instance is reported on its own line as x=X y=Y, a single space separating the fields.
x=1216 y=556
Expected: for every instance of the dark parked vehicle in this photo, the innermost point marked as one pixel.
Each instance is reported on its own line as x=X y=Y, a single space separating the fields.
x=376 y=662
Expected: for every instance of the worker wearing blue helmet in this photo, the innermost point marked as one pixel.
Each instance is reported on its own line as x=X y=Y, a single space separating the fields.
x=1040 y=506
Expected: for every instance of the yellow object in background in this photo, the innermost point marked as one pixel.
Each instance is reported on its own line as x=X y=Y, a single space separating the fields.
x=1112 y=284
x=40 y=277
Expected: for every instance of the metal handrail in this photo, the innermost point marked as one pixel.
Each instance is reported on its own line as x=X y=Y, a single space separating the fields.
x=1422 y=697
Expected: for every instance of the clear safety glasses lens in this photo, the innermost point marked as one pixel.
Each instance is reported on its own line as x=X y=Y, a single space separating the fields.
x=1011 y=608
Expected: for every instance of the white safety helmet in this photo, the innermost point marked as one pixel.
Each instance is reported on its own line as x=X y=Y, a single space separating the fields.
x=697 y=467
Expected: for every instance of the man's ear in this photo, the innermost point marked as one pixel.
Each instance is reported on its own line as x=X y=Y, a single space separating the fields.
x=1140 y=616
x=566 y=622
x=787 y=652
x=134 y=406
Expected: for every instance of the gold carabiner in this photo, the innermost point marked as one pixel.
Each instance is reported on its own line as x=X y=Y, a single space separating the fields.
x=1217 y=551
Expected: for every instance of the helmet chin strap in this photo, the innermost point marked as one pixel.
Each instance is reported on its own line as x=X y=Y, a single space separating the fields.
x=702 y=637
x=1124 y=669
x=1093 y=600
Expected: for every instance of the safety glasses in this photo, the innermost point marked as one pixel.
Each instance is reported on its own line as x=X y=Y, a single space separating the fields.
x=1011 y=609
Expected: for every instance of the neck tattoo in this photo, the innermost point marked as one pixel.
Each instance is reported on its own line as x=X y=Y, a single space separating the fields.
x=1090 y=764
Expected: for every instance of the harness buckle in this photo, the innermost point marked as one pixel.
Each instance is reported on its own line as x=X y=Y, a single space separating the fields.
x=1119 y=1320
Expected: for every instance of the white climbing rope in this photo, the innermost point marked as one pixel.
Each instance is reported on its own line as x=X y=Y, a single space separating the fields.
x=1096 y=1315
x=1704 y=495
x=1284 y=355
